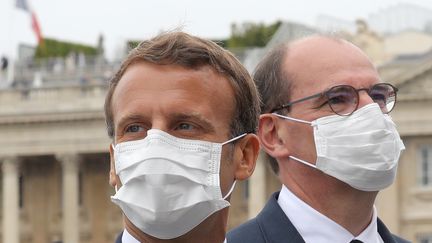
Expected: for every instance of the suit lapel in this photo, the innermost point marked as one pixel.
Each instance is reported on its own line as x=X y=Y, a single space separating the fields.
x=385 y=233
x=277 y=228
x=275 y=225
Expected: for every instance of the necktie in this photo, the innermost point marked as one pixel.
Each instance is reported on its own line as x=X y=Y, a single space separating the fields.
x=356 y=241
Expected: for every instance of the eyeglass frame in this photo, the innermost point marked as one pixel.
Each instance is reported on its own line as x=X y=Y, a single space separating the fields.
x=323 y=94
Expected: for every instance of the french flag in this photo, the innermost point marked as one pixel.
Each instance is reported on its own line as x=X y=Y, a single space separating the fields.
x=23 y=5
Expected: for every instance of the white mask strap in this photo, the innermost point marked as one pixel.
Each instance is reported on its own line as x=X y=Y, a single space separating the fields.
x=116 y=188
x=292 y=119
x=303 y=162
x=233 y=139
x=230 y=191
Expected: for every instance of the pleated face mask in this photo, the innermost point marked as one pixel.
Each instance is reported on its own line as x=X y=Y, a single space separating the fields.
x=361 y=150
x=169 y=185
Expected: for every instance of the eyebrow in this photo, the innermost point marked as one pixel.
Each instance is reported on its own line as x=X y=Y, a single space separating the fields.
x=128 y=118
x=205 y=123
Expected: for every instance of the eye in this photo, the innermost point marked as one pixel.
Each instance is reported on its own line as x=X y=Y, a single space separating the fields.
x=337 y=100
x=379 y=98
x=134 y=128
x=185 y=126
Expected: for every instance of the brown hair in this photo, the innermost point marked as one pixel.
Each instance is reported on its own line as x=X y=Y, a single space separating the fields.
x=273 y=84
x=179 y=48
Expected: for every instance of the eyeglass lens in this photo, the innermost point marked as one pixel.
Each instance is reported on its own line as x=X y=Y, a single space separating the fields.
x=384 y=95
x=344 y=99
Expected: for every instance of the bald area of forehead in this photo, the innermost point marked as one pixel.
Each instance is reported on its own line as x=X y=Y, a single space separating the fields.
x=320 y=52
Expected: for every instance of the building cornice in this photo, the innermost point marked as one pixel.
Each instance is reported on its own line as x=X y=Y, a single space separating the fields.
x=51 y=117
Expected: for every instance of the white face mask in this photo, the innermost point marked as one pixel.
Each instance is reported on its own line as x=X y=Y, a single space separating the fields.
x=170 y=185
x=361 y=150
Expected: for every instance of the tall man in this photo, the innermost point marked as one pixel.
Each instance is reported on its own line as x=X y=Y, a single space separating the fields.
x=181 y=112
x=325 y=122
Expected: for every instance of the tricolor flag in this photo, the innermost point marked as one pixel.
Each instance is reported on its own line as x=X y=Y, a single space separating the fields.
x=23 y=5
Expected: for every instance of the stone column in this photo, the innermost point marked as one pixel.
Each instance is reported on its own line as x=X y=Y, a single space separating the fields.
x=257 y=187
x=70 y=165
x=10 y=200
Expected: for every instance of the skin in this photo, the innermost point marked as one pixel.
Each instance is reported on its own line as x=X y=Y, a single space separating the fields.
x=318 y=63
x=186 y=103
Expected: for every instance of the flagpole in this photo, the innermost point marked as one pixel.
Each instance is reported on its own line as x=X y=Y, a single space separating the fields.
x=12 y=45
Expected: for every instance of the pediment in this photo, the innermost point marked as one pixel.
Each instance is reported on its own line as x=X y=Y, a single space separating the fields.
x=418 y=84
x=414 y=78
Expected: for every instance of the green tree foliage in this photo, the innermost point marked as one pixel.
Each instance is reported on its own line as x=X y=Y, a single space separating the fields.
x=131 y=44
x=56 y=48
x=251 y=34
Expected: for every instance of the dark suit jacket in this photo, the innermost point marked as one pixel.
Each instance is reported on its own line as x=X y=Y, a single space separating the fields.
x=271 y=225
x=119 y=238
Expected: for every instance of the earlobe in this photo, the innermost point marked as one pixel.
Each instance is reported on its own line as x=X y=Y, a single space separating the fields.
x=249 y=149
x=270 y=136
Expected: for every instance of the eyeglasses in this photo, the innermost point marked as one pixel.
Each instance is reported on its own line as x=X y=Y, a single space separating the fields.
x=344 y=99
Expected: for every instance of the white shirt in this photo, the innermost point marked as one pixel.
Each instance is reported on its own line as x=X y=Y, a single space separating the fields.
x=316 y=227
x=128 y=238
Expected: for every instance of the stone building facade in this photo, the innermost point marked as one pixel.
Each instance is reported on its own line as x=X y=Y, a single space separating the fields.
x=55 y=163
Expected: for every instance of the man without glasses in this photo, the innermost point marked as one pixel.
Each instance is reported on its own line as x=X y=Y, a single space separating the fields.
x=326 y=126
x=181 y=112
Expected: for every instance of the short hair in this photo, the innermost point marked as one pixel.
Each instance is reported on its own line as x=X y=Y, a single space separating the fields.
x=179 y=48
x=274 y=85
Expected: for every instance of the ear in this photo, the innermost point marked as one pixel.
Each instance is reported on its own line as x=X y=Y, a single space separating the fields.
x=247 y=151
x=113 y=178
x=271 y=136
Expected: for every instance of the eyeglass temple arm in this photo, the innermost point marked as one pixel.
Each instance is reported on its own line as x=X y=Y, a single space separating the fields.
x=296 y=101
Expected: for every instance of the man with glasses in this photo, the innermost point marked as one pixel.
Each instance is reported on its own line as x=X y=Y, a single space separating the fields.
x=326 y=129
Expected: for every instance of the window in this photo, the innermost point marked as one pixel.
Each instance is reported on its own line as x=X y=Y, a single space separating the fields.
x=80 y=188
x=21 y=191
x=425 y=166
x=425 y=239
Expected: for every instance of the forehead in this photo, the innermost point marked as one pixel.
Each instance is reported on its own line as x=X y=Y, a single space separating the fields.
x=318 y=63
x=159 y=90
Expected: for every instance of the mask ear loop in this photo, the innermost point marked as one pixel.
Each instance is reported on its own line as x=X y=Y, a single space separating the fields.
x=234 y=183
x=303 y=162
x=230 y=191
x=115 y=187
x=235 y=138
x=292 y=119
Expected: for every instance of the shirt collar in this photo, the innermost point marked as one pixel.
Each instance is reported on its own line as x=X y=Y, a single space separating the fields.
x=128 y=238
x=316 y=227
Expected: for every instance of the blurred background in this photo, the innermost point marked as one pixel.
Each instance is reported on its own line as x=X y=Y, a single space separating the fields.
x=58 y=55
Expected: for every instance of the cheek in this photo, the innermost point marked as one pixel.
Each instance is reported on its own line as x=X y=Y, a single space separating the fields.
x=302 y=143
x=226 y=173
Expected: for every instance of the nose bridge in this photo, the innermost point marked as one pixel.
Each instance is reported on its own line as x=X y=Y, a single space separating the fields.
x=160 y=122
x=364 y=97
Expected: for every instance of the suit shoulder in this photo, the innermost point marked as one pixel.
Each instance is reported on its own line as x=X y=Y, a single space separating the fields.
x=246 y=232
x=119 y=237
x=399 y=239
